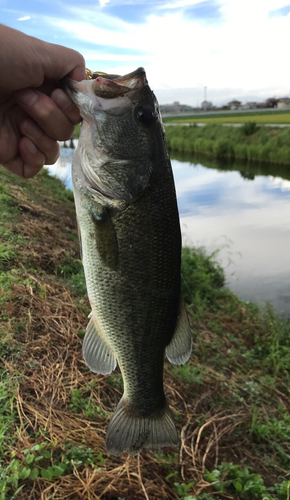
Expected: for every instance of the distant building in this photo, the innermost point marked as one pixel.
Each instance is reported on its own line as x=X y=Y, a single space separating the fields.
x=206 y=105
x=234 y=105
x=271 y=102
x=175 y=108
x=249 y=105
x=283 y=103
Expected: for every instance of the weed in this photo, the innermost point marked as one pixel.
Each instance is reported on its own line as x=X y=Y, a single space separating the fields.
x=230 y=479
x=281 y=491
x=8 y=419
x=248 y=142
x=43 y=461
x=115 y=380
x=190 y=374
x=70 y=267
x=202 y=278
x=249 y=128
x=167 y=460
x=182 y=489
x=71 y=270
x=82 y=401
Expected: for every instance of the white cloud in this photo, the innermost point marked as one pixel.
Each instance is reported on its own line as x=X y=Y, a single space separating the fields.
x=180 y=3
x=24 y=18
x=114 y=57
x=247 y=51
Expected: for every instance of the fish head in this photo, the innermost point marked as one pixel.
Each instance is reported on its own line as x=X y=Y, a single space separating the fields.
x=121 y=136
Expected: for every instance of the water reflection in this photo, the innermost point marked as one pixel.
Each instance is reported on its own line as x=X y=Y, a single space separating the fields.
x=248 y=220
x=241 y=209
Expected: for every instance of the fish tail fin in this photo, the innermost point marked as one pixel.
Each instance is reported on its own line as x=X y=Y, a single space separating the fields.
x=131 y=433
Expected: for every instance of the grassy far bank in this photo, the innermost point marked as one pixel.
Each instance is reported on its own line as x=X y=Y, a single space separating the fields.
x=249 y=142
x=248 y=170
x=231 y=401
x=261 y=117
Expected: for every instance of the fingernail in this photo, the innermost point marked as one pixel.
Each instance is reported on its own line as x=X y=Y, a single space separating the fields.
x=30 y=146
x=61 y=99
x=32 y=129
x=27 y=97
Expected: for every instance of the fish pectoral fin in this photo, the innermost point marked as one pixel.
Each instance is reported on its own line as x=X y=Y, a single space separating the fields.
x=106 y=239
x=97 y=354
x=179 y=349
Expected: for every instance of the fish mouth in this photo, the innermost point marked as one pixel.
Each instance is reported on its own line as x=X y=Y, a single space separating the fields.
x=110 y=86
x=106 y=86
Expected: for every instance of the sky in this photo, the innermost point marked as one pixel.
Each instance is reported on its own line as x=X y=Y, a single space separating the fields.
x=236 y=49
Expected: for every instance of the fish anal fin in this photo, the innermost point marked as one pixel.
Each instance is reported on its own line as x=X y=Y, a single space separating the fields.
x=131 y=433
x=179 y=349
x=97 y=354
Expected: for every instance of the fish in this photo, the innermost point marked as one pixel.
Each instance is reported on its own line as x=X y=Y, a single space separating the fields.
x=130 y=242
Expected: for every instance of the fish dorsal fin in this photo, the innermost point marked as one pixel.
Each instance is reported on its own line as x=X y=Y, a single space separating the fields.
x=97 y=354
x=179 y=349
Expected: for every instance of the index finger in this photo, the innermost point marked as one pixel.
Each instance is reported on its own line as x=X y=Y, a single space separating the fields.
x=59 y=61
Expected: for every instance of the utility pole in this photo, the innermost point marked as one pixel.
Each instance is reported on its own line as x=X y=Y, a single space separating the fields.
x=205 y=88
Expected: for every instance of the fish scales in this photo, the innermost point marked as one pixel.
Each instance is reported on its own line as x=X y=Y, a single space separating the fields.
x=131 y=249
x=142 y=294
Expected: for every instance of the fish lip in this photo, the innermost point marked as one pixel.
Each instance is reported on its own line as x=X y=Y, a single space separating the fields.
x=137 y=77
x=109 y=88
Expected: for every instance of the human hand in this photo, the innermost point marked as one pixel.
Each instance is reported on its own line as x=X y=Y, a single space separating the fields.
x=34 y=112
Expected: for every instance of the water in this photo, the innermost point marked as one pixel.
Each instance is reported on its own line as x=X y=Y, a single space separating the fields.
x=241 y=210
x=62 y=168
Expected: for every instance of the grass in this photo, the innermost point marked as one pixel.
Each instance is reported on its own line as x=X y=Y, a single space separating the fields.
x=231 y=401
x=261 y=117
x=76 y=133
x=249 y=142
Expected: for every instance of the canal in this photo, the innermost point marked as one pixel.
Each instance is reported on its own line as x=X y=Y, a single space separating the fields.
x=243 y=211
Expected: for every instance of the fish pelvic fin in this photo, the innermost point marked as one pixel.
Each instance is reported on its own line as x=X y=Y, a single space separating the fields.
x=179 y=349
x=97 y=354
x=131 y=433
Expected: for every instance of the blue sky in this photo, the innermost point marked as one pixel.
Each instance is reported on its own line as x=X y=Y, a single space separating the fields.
x=236 y=48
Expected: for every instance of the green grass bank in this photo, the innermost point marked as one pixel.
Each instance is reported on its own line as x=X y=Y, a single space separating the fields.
x=261 y=117
x=231 y=400
x=249 y=142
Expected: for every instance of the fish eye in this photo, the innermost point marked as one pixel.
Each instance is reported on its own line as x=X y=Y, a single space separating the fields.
x=146 y=115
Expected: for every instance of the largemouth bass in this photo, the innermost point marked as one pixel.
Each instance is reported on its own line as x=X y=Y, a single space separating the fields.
x=131 y=251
